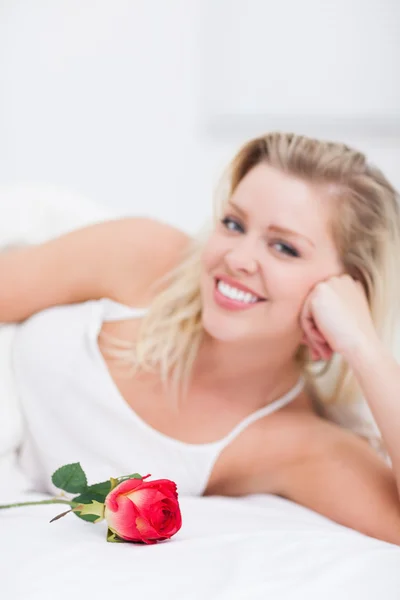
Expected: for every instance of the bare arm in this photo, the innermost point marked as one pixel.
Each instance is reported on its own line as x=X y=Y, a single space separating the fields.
x=317 y=464
x=341 y=477
x=118 y=259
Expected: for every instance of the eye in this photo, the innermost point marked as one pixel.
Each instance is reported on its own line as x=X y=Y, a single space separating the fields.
x=230 y=224
x=288 y=249
x=227 y=221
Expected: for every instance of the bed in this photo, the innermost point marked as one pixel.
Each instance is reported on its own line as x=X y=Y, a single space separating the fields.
x=252 y=547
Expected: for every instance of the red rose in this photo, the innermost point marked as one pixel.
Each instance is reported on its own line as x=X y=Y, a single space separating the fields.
x=143 y=511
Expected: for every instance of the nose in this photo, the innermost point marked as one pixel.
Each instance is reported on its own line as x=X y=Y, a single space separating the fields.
x=242 y=257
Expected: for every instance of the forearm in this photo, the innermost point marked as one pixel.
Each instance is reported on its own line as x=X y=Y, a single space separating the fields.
x=378 y=375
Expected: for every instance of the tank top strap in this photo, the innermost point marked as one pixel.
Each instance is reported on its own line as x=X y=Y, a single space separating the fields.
x=104 y=310
x=263 y=412
x=115 y=311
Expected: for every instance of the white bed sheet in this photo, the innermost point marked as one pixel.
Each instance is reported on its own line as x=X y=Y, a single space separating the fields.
x=254 y=547
x=249 y=548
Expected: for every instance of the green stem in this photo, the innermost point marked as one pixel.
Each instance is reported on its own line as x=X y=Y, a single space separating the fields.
x=53 y=501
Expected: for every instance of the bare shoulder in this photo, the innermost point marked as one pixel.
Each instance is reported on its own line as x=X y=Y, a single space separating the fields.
x=254 y=461
x=259 y=459
x=296 y=433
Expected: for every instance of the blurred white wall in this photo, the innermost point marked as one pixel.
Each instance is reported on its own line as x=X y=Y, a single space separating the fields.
x=138 y=105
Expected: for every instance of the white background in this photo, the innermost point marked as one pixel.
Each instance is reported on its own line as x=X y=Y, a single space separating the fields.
x=138 y=105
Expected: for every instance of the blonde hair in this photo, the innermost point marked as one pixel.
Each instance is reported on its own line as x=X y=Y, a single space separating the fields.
x=365 y=228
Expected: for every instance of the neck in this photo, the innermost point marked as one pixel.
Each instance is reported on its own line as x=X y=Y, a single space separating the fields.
x=251 y=369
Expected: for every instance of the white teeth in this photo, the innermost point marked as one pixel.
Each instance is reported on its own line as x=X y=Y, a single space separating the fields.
x=235 y=294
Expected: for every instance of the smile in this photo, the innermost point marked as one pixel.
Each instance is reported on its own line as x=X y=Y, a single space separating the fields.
x=232 y=298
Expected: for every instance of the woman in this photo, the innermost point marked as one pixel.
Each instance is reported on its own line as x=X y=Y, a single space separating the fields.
x=144 y=350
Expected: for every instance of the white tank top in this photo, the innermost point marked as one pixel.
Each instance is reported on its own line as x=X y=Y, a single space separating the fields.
x=74 y=412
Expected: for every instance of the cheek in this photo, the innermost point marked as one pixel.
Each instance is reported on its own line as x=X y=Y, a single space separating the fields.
x=287 y=286
x=212 y=254
x=282 y=280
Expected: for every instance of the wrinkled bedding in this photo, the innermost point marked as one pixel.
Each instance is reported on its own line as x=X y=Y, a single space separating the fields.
x=254 y=547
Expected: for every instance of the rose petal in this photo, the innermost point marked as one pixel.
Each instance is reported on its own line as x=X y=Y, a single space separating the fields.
x=122 y=488
x=146 y=531
x=158 y=517
x=123 y=521
x=165 y=486
x=164 y=523
x=172 y=518
x=145 y=498
x=168 y=488
x=166 y=518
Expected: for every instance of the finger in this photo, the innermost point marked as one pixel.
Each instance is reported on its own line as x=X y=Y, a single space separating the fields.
x=313 y=334
x=324 y=350
x=315 y=355
x=319 y=350
x=315 y=340
x=305 y=321
x=312 y=348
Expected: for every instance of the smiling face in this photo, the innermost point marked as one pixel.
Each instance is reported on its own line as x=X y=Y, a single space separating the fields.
x=250 y=247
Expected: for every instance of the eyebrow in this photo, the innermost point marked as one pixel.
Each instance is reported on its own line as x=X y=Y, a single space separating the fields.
x=275 y=227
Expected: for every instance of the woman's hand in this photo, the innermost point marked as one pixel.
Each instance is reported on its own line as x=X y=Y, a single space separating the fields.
x=336 y=318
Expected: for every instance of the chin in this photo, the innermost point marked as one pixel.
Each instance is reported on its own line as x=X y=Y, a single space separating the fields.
x=223 y=328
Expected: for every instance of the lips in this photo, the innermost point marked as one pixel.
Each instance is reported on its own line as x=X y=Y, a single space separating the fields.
x=239 y=286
